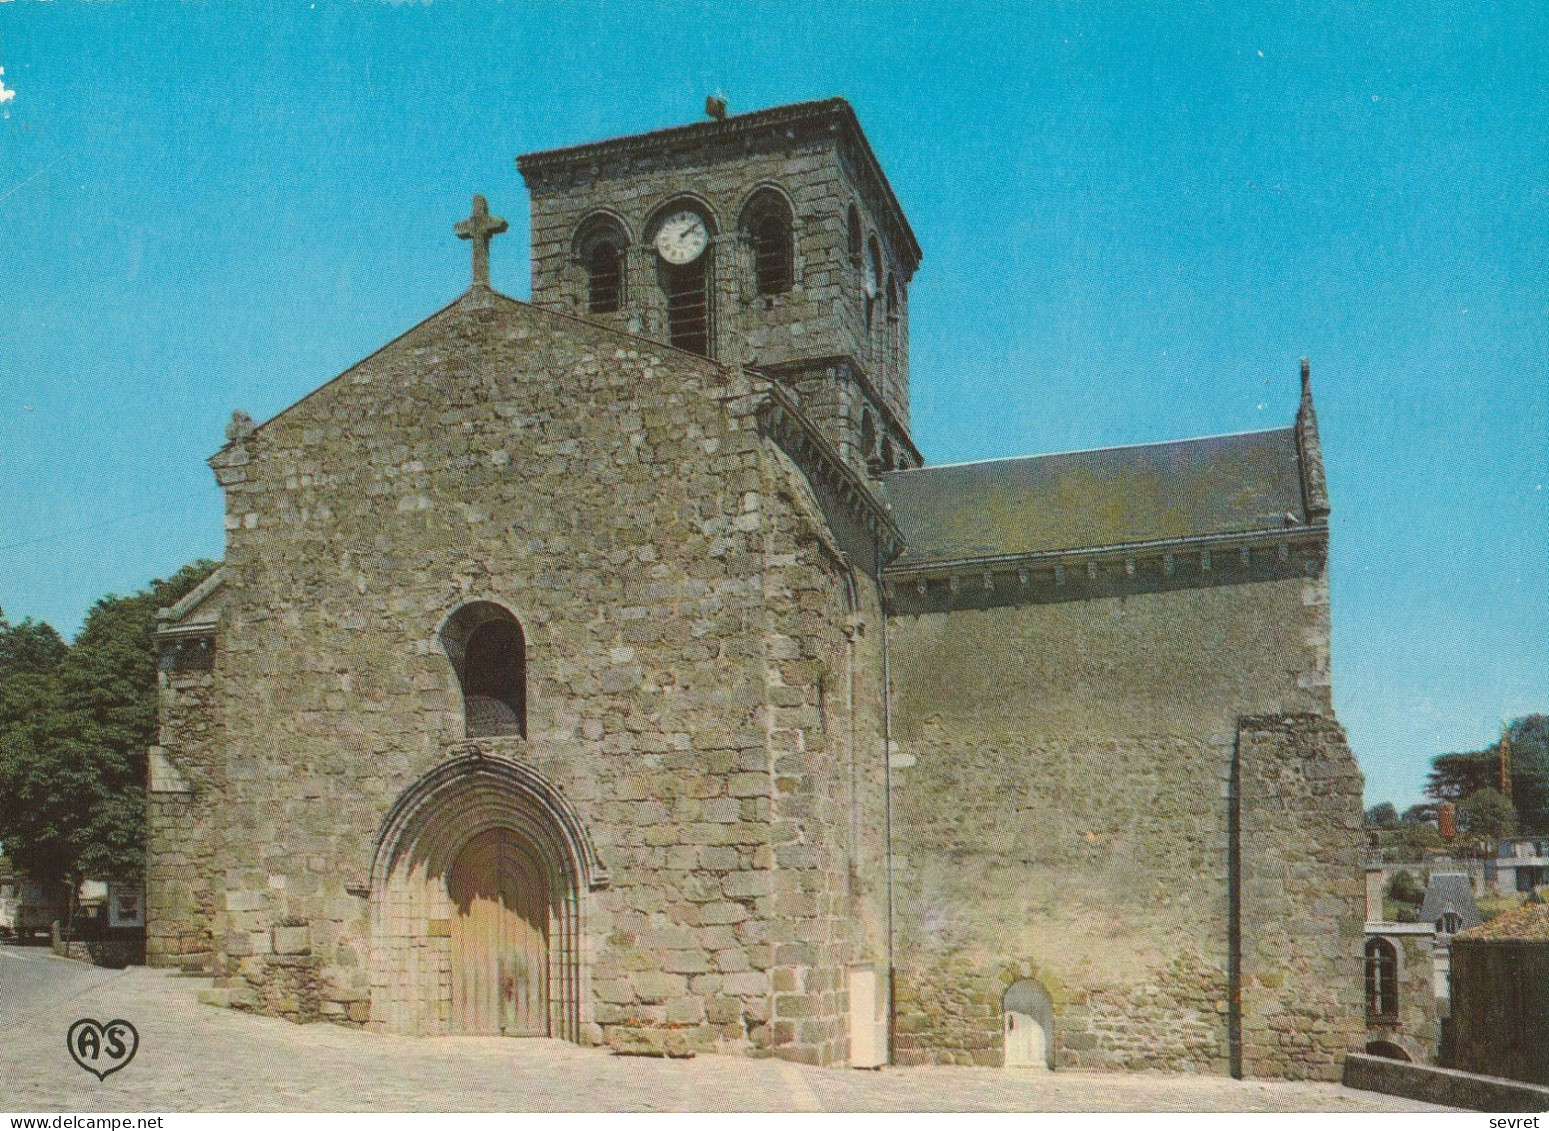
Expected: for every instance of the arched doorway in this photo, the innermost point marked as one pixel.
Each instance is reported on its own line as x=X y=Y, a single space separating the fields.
x=500 y=937
x=1028 y=1026
x=478 y=901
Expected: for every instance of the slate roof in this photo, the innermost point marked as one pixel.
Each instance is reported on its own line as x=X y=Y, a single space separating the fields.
x=1450 y=891
x=1107 y=497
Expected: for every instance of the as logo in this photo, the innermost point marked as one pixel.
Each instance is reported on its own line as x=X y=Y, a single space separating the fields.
x=102 y=1049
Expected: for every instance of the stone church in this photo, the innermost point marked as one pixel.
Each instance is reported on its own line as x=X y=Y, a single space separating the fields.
x=613 y=668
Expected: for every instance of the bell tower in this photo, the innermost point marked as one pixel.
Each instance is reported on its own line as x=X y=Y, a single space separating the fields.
x=769 y=239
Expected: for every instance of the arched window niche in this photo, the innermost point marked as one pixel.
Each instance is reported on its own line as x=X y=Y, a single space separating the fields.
x=601 y=245
x=868 y=439
x=488 y=651
x=873 y=280
x=767 y=226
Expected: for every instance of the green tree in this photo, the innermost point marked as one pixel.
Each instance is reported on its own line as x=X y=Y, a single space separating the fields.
x=74 y=727
x=1405 y=888
x=1456 y=776
x=1530 y=771
x=1419 y=815
x=1485 y=816
x=1382 y=816
x=30 y=656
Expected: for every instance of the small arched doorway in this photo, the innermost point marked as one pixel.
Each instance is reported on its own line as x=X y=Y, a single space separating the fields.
x=1028 y=1026
x=500 y=937
x=1389 y=1050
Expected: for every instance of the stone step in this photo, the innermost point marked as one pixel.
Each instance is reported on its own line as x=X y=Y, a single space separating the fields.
x=227 y=996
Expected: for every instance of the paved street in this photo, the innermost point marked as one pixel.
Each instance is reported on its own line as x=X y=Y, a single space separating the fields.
x=32 y=978
x=196 y=1057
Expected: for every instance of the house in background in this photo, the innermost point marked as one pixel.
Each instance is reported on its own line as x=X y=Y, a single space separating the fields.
x=1450 y=904
x=1449 y=907
x=1521 y=863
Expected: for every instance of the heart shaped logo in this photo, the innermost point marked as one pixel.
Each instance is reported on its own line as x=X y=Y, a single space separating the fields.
x=102 y=1049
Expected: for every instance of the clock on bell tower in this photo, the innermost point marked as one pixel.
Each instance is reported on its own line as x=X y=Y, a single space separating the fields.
x=771 y=238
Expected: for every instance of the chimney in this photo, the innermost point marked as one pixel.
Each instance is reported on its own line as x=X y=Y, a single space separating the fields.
x=1447 y=820
x=1505 y=759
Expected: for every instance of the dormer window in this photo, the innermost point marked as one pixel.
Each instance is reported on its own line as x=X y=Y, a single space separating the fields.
x=767 y=226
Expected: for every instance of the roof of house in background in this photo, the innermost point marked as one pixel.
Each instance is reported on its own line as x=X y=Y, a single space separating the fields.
x=1454 y=892
x=1528 y=923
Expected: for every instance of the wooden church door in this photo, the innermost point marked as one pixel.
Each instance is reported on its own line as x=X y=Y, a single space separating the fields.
x=500 y=951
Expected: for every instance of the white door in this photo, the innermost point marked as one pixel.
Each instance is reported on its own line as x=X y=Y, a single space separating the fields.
x=1024 y=1042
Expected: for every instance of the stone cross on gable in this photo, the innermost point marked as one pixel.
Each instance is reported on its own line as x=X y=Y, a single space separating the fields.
x=480 y=227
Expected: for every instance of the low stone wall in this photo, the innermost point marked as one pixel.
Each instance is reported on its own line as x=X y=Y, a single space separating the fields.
x=1442 y=1085
x=115 y=950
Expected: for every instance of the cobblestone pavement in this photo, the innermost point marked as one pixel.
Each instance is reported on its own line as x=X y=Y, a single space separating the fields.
x=196 y=1057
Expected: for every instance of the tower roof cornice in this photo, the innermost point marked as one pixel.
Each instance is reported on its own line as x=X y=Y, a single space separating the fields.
x=831 y=116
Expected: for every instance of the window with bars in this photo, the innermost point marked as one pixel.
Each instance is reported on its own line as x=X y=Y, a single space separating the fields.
x=600 y=246
x=1381 y=980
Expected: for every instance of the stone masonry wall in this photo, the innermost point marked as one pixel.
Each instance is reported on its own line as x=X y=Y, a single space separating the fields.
x=1303 y=897
x=610 y=493
x=1061 y=775
x=182 y=829
x=829 y=909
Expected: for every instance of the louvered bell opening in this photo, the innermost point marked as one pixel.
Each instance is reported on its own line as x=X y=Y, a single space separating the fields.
x=604 y=279
x=688 y=314
x=772 y=255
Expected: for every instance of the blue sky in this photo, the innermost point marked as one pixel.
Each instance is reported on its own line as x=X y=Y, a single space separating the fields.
x=1136 y=219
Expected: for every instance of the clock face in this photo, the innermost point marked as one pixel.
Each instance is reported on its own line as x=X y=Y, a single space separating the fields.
x=682 y=238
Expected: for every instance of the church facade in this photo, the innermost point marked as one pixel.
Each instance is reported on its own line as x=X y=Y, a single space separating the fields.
x=611 y=667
